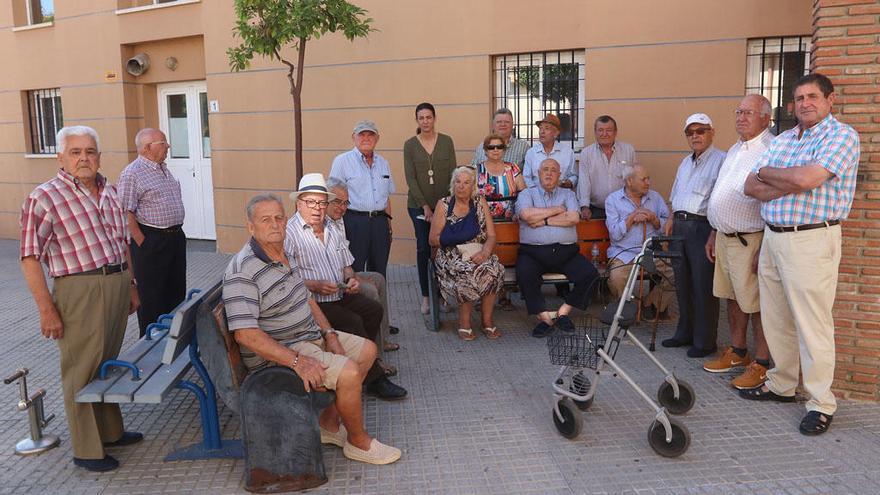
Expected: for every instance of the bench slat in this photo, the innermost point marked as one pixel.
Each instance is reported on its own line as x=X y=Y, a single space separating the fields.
x=163 y=380
x=94 y=391
x=124 y=389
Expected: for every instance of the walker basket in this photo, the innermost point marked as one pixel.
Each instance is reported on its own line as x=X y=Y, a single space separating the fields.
x=578 y=348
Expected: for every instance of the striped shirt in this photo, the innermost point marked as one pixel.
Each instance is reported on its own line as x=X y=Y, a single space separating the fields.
x=514 y=153
x=265 y=294
x=562 y=153
x=626 y=244
x=148 y=190
x=537 y=197
x=730 y=210
x=694 y=181
x=368 y=186
x=830 y=144
x=318 y=260
x=599 y=176
x=69 y=231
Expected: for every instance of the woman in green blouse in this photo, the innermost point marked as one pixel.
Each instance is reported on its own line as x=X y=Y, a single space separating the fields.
x=428 y=161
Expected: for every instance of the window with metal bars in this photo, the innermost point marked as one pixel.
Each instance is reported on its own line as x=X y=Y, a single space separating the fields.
x=45 y=120
x=532 y=85
x=772 y=67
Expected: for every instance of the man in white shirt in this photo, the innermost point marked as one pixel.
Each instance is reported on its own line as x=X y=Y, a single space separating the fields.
x=735 y=242
x=600 y=171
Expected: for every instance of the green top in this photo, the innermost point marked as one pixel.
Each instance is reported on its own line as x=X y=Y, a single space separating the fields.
x=417 y=162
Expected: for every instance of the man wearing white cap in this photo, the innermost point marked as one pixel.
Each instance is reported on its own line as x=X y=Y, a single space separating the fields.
x=368 y=177
x=697 y=306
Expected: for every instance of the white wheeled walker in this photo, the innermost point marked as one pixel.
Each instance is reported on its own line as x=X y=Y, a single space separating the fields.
x=591 y=347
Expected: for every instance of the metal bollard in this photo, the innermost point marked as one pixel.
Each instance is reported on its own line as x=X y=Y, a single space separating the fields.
x=37 y=443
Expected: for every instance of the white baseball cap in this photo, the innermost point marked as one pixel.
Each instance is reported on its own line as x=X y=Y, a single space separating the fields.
x=698 y=118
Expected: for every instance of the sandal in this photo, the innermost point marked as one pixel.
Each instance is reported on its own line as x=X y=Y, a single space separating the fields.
x=812 y=424
x=390 y=347
x=466 y=334
x=492 y=332
x=758 y=393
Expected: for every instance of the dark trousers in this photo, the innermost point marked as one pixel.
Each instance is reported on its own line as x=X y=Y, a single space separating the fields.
x=533 y=261
x=369 y=241
x=423 y=250
x=358 y=315
x=597 y=213
x=697 y=307
x=160 y=270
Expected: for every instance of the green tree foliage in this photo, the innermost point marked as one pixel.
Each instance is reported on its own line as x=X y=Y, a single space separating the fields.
x=268 y=27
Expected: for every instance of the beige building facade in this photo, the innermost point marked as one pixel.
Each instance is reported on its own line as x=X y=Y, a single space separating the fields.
x=649 y=64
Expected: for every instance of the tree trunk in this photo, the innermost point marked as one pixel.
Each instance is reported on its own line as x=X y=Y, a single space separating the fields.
x=296 y=94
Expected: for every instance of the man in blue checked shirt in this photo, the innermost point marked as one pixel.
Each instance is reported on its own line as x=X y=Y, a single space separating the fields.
x=806 y=181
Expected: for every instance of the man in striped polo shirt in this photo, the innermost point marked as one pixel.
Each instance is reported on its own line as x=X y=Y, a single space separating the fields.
x=76 y=226
x=276 y=323
x=322 y=255
x=806 y=181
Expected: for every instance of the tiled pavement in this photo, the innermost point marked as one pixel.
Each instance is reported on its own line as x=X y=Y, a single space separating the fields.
x=478 y=420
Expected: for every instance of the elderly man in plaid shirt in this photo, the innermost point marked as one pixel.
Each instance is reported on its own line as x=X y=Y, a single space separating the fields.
x=806 y=181
x=154 y=205
x=75 y=225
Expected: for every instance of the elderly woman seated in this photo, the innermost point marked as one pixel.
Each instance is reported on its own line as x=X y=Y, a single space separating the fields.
x=464 y=234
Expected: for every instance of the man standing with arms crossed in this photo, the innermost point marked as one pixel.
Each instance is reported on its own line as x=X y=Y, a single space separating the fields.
x=806 y=181
x=735 y=242
x=152 y=199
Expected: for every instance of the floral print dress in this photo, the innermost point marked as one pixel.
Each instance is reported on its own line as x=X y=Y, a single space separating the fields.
x=460 y=280
x=499 y=190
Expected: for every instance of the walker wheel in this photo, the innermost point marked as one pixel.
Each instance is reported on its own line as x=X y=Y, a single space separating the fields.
x=583 y=405
x=681 y=438
x=685 y=401
x=572 y=422
x=580 y=385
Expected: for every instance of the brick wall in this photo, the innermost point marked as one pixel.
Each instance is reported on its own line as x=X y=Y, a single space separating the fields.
x=846 y=48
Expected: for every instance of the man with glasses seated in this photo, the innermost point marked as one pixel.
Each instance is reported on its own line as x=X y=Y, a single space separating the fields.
x=635 y=213
x=321 y=253
x=697 y=306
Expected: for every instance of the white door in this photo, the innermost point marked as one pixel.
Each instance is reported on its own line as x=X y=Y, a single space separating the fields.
x=183 y=117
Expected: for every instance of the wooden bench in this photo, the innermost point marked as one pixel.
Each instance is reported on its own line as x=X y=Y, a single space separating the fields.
x=147 y=371
x=589 y=232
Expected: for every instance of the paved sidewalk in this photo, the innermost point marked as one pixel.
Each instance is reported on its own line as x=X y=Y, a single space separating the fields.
x=478 y=421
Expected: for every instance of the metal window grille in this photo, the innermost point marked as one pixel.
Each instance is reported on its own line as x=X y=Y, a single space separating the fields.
x=40 y=11
x=772 y=67
x=532 y=85
x=45 y=119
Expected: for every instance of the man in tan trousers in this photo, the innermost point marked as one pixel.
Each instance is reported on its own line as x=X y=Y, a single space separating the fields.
x=75 y=225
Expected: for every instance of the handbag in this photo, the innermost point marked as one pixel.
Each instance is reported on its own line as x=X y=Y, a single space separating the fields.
x=469 y=249
x=461 y=231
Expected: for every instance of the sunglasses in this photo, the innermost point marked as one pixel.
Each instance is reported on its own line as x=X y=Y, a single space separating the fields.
x=495 y=147
x=697 y=132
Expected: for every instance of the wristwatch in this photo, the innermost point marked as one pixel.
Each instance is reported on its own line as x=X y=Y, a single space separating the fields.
x=328 y=331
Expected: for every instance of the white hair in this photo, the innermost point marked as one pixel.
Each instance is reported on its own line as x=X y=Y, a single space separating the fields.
x=766 y=107
x=139 y=137
x=334 y=183
x=260 y=198
x=629 y=170
x=75 y=130
x=463 y=169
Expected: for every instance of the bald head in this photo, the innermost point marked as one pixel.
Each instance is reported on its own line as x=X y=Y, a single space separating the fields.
x=752 y=116
x=152 y=144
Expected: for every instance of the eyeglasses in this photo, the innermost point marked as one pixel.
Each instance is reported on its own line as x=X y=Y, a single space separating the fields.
x=339 y=202
x=161 y=143
x=495 y=147
x=698 y=132
x=313 y=203
x=747 y=113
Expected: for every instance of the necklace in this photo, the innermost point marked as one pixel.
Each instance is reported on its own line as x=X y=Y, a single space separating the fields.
x=430 y=158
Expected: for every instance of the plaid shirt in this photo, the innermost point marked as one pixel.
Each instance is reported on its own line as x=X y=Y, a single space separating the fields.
x=830 y=144
x=318 y=260
x=65 y=228
x=148 y=190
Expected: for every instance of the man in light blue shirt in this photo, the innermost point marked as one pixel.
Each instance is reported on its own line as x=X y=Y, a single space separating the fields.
x=548 y=216
x=635 y=213
x=548 y=147
x=367 y=175
x=694 y=273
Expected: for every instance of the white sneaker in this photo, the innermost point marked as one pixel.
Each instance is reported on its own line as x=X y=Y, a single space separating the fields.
x=379 y=453
x=338 y=438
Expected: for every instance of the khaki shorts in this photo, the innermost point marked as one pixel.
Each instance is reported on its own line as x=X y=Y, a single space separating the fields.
x=352 y=344
x=734 y=278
